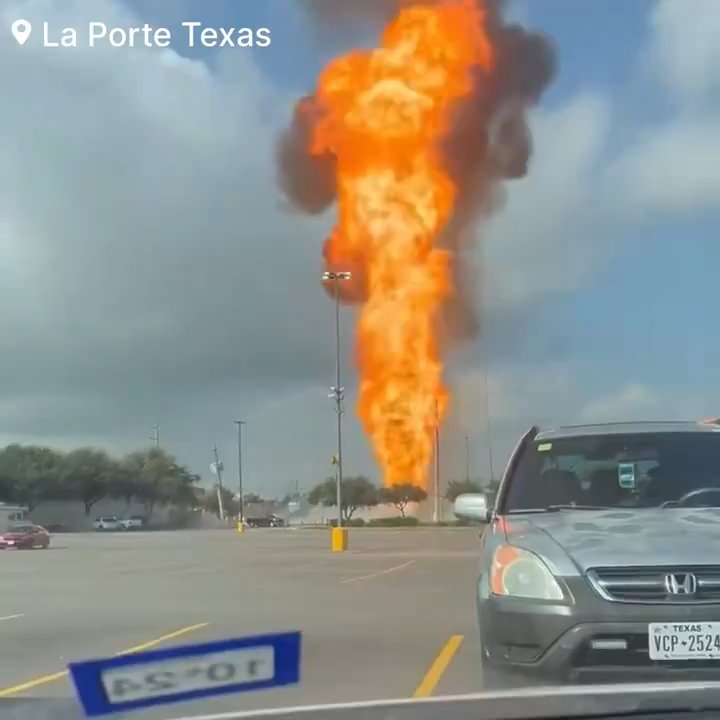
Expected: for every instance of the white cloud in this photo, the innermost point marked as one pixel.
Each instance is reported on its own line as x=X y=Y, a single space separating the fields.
x=632 y=402
x=549 y=395
x=582 y=195
x=544 y=241
x=494 y=411
x=512 y=394
x=638 y=401
x=672 y=168
x=147 y=273
x=684 y=52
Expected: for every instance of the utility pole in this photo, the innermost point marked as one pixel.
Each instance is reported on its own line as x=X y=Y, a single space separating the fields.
x=486 y=365
x=155 y=437
x=239 y=424
x=337 y=392
x=489 y=428
x=467 y=460
x=436 y=507
x=218 y=471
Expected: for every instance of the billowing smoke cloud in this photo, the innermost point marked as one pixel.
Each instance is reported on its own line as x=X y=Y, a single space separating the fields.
x=308 y=180
x=489 y=140
x=341 y=13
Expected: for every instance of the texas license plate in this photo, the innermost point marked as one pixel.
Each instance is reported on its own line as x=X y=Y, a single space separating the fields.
x=10 y=542
x=684 y=641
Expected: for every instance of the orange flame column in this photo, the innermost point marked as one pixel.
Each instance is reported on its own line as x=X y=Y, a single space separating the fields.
x=385 y=113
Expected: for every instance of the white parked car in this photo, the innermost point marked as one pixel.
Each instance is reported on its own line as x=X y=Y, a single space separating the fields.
x=109 y=522
x=134 y=522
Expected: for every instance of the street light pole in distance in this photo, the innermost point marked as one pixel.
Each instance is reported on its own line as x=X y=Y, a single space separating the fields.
x=339 y=539
x=241 y=517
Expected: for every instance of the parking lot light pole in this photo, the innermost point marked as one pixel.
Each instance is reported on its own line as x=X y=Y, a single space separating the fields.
x=337 y=392
x=241 y=514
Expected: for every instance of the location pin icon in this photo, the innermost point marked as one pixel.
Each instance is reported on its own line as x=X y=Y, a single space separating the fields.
x=21 y=30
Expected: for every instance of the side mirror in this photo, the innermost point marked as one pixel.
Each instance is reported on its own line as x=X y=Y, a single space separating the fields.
x=472 y=506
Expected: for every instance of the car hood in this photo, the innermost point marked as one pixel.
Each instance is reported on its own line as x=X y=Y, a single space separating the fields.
x=622 y=537
x=14 y=535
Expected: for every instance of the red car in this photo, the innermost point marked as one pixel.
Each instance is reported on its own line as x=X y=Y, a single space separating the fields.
x=25 y=537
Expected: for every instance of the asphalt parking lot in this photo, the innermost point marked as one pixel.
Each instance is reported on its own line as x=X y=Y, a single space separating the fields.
x=392 y=617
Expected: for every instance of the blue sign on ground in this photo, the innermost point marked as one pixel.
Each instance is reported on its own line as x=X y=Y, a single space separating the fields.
x=175 y=674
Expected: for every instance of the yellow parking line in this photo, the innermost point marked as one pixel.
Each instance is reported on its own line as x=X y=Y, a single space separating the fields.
x=42 y=680
x=162 y=639
x=438 y=668
x=45 y=679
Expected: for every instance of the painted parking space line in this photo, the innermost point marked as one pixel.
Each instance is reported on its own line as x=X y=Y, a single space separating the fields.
x=11 y=617
x=439 y=666
x=393 y=569
x=45 y=679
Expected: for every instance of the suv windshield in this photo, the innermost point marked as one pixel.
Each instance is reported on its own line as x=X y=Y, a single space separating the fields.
x=619 y=471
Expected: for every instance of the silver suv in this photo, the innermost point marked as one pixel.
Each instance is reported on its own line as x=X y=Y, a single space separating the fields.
x=601 y=558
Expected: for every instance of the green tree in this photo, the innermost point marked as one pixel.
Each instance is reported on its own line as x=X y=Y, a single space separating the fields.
x=158 y=478
x=357 y=492
x=88 y=473
x=231 y=506
x=186 y=494
x=401 y=495
x=124 y=483
x=459 y=487
x=30 y=474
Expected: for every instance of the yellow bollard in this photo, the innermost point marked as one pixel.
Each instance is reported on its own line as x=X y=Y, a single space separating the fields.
x=339 y=539
x=240 y=526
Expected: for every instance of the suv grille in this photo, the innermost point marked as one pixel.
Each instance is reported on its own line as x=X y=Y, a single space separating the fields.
x=648 y=584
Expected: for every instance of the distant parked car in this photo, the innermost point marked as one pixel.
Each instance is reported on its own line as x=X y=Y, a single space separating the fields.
x=134 y=522
x=265 y=521
x=25 y=536
x=110 y=522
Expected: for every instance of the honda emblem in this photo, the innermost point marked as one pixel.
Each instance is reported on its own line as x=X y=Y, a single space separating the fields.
x=681 y=584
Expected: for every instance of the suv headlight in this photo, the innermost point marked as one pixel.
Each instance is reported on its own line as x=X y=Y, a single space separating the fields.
x=522 y=574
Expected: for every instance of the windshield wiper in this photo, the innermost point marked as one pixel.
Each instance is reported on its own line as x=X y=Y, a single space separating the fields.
x=557 y=508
